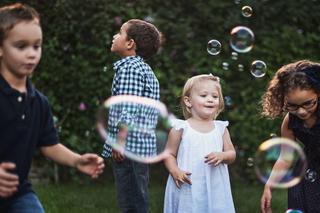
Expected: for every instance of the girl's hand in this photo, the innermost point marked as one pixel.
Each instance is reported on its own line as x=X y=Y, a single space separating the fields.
x=214 y=158
x=180 y=177
x=266 y=200
x=90 y=164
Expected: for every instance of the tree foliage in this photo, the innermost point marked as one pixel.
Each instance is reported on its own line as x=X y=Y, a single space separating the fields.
x=76 y=65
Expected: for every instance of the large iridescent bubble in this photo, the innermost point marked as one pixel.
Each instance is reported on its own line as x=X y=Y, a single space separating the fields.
x=242 y=39
x=137 y=127
x=280 y=163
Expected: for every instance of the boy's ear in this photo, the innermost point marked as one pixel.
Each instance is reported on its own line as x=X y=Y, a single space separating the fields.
x=131 y=44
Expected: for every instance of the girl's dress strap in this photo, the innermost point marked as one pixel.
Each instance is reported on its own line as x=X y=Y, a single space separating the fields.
x=221 y=125
x=178 y=124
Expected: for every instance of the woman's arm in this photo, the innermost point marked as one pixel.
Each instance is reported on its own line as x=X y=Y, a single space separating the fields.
x=279 y=165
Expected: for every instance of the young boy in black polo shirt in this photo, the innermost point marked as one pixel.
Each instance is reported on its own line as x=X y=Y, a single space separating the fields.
x=25 y=116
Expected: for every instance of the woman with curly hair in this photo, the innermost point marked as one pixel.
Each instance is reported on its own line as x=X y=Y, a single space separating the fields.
x=294 y=93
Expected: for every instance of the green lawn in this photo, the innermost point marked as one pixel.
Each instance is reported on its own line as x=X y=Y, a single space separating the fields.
x=100 y=196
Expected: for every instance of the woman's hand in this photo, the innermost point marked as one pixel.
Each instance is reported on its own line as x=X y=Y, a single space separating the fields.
x=266 y=200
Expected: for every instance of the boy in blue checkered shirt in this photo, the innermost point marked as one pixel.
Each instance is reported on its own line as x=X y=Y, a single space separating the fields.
x=137 y=41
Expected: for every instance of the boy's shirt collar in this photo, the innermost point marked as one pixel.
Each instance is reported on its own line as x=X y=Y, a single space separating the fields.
x=8 y=90
x=118 y=63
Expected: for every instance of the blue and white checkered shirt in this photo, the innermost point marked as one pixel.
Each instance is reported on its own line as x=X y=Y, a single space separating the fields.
x=134 y=77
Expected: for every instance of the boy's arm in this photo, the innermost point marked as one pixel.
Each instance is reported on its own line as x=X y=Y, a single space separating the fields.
x=90 y=164
x=8 y=182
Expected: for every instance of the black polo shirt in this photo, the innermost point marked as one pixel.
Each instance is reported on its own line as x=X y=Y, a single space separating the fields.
x=25 y=124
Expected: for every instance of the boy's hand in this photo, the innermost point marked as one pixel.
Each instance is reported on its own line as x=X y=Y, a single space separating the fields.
x=8 y=181
x=180 y=177
x=121 y=140
x=117 y=156
x=90 y=164
x=214 y=158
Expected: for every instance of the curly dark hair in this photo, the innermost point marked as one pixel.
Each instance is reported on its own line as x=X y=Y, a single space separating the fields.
x=304 y=75
x=146 y=36
x=12 y=14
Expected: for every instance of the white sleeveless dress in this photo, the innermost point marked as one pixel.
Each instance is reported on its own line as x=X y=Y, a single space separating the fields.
x=210 y=191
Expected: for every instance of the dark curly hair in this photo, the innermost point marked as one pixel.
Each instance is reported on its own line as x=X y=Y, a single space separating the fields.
x=304 y=75
x=146 y=36
x=12 y=14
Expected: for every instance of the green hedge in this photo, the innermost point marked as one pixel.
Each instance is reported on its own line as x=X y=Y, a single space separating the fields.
x=76 y=65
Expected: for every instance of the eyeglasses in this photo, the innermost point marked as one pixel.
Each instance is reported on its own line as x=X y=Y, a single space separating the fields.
x=306 y=105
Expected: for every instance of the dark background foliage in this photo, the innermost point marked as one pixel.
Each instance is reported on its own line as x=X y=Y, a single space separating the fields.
x=76 y=65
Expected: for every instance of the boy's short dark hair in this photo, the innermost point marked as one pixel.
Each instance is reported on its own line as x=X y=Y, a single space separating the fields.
x=146 y=37
x=12 y=14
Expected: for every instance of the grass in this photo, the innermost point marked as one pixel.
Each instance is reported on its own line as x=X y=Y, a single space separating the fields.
x=100 y=196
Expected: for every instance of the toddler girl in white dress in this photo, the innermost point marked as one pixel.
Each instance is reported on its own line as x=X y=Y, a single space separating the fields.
x=200 y=149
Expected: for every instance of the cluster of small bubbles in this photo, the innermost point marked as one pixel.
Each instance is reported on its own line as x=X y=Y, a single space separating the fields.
x=258 y=68
x=225 y=65
x=242 y=39
x=227 y=100
x=247 y=11
x=293 y=211
x=250 y=162
x=310 y=175
x=234 y=56
x=105 y=68
x=240 y=67
x=214 y=47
